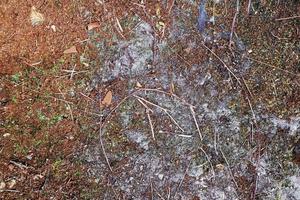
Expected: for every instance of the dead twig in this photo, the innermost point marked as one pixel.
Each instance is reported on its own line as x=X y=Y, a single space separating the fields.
x=230 y=172
x=287 y=18
x=224 y=64
x=16 y=191
x=169 y=193
x=87 y=97
x=167 y=93
x=233 y=23
x=148 y=110
x=102 y=147
x=212 y=167
x=170 y=6
x=248 y=7
x=151 y=125
x=55 y=98
x=253 y=115
x=196 y=122
x=114 y=109
x=68 y=105
x=215 y=142
x=269 y=65
x=20 y=165
x=163 y=109
x=184 y=175
x=151 y=189
x=250 y=93
x=185 y=136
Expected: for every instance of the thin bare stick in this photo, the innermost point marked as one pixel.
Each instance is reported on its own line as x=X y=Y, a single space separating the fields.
x=248 y=7
x=181 y=181
x=279 y=38
x=87 y=97
x=230 y=172
x=16 y=191
x=151 y=125
x=212 y=167
x=196 y=122
x=224 y=64
x=250 y=93
x=233 y=23
x=145 y=105
x=68 y=105
x=58 y=99
x=184 y=60
x=119 y=25
x=186 y=136
x=253 y=115
x=167 y=93
x=72 y=72
x=149 y=117
x=160 y=196
x=267 y=64
x=215 y=142
x=170 y=7
x=20 y=165
x=114 y=109
x=226 y=10
x=169 y=193
x=286 y=18
x=163 y=109
x=102 y=147
x=149 y=102
x=174 y=121
x=151 y=189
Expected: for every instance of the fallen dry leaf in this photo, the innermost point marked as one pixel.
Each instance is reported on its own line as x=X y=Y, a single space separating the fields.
x=12 y=183
x=2 y=185
x=107 y=99
x=93 y=25
x=70 y=50
x=172 y=88
x=138 y=85
x=36 y=17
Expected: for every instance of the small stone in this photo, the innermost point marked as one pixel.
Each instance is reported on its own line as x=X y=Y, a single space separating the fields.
x=6 y=135
x=160 y=176
x=53 y=27
x=29 y=157
x=220 y=167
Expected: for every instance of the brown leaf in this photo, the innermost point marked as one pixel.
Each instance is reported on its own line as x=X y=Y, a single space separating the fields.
x=138 y=85
x=70 y=50
x=172 y=88
x=107 y=99
x=93 y=25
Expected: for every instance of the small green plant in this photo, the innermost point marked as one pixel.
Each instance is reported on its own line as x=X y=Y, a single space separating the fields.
x=56 y=165
x=55 y=119
x=41 y=116
x=16 y=77
x=20 y=149
x=14 y=99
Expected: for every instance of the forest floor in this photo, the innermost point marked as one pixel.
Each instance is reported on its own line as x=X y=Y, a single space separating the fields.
x=128 y=100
